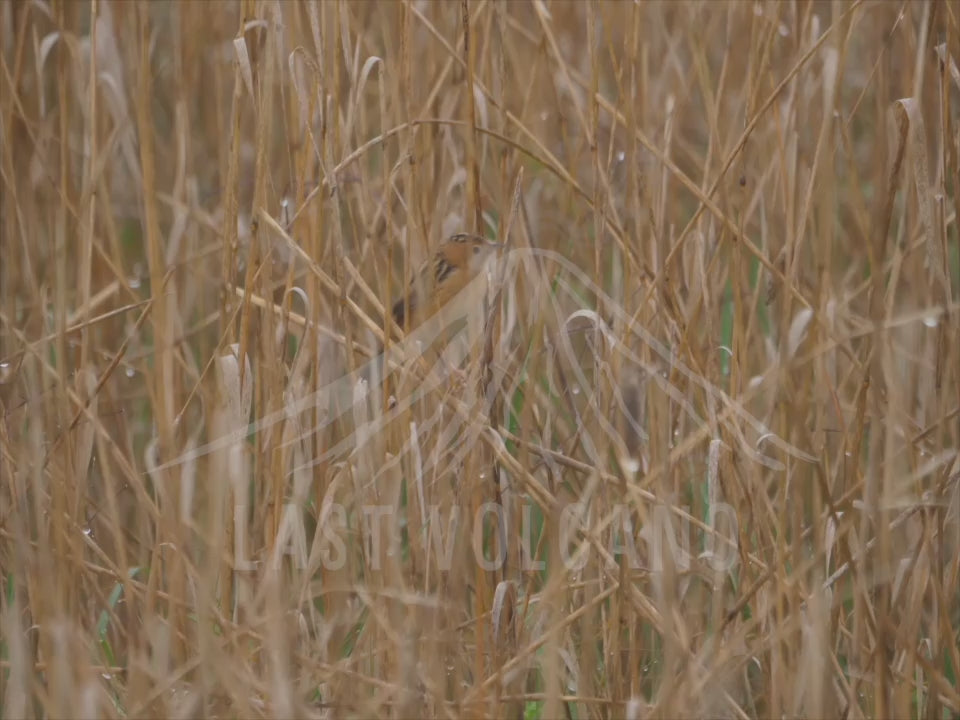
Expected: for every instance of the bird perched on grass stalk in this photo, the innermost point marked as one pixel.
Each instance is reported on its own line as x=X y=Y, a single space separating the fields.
x=452 y=266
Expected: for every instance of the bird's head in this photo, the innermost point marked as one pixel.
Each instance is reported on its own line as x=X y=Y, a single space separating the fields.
x=468 y=252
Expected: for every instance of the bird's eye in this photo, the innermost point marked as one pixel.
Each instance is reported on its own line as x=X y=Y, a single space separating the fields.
x=476 y=249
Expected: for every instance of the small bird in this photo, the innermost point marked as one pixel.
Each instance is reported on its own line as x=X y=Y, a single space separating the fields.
x=452 y=266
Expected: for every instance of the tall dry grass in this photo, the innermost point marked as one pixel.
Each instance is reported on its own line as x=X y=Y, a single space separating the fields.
x=712 y=384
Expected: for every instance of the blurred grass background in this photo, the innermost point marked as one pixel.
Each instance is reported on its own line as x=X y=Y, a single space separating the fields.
x=730 y=284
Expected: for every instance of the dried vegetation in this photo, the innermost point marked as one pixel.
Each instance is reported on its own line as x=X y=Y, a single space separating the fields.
x=712 y=385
